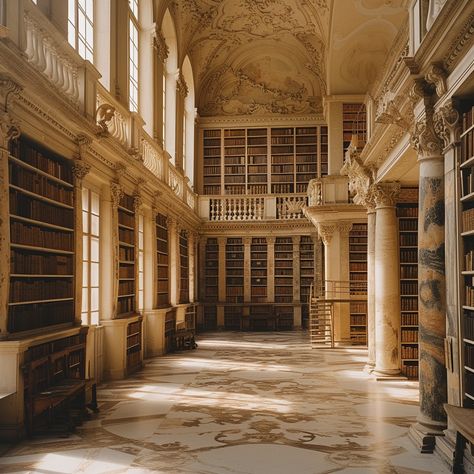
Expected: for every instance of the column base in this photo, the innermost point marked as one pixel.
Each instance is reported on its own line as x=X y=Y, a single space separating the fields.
x=369 y=368
x=381 y=375
x=425 y=432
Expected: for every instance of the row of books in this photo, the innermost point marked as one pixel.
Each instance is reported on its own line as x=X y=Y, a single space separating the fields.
x=24 y=206
x=233 y=179
x=126 y=219
x=357 y=256
x=358 y=319
x=257 y=160
x=358 y=266
x=41 y=237
x=257 y=141
x=467 y=145
x=234 y=151
x=233 y=142
x=126 y=305
x=306 y=168
x=409 y=319
x=126 y=236
x=40 y=263
x=403 y=211
x=468 y=220
x=211 y=161
x=259 y=290
x=408 y=225
x=469 y=325
x=358 y=240
x=210 y=179
x=409 y=239
x=252 y=179
x=40 y=185
x=234 y=291
x=257 y=150
x=409 y=352
x=212 y=170
x=469 y=261
x=162 y=285
x=212 y=133
x=40 y=289
x=410 y=370
x=257 y=189
x=409 y=255
x=282 y=188
x=127 y=254
x=469 y=295
x=469 y=383
x=210 y=152
x=469 y=355
x=127 y=271
x=358 y=307
x=162 y=249
x=409 y=304
x=467 y=118
x=409 y=288
x=409 y=335
x=282 y=150
x=126 y=287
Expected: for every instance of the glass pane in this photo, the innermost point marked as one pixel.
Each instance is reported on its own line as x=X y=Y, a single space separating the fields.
x=85 y=247
x=94 y=274
x=94 y=249
x=85 y=199
x=85 y=222
x=95 y=299
x=95 y=317
x=85 y=300
x=94 y=224
x=84 y=319
x=95 y=203
x=85 y=274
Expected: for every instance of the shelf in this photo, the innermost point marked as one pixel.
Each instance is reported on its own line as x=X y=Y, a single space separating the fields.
x=41 y=172
x=24 y=275
x=22 y=303
x=41 y=249
x=40 y=197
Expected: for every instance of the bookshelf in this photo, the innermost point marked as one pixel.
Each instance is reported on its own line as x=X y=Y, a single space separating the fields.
x=162 y=261
x=306 y=275
x=211 y=270
x=42 y=238
x=208 y=319
x=212 y=151
x=354 y=120
x=358 y=277
x=127 y=257
x=134 y=346
x=467 y=238
x=408 y=238
x=234 y=259
x=233 y=317
x=275 y=160
x=170 y=330
x=283 y=270
x=258 y=269
x=184 y=267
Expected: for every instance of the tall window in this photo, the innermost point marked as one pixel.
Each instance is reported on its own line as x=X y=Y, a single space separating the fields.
x=141 y=263
x=81 y=27
x=133 y=55
x=90 y=257
x=164 y=111
x=184 y=141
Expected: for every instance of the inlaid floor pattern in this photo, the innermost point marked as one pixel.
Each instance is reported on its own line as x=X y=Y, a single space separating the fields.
x=242 y=403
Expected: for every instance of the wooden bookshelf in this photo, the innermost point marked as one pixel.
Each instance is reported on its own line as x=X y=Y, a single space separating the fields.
x=184 y=267
x=306 y=275
x=234 y=256
x=258 y=269
x=211 y=270
x=134 y=346
x=354 y=121
x=358 y=278
x=127 y=257
x=208 y=320
x=170 y=330
x=42 y=238
x=275 y=160
x=212 y=171
x=162 y=261
x=233 y=317
x=234 y=161
x=283 y=270
x=467 y=249
x=408 y=238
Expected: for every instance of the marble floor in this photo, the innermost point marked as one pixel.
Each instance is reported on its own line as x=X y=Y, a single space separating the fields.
x=242 y=403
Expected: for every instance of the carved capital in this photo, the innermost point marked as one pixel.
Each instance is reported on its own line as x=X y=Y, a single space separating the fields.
x=172 y=223
x=221 y=241
x=116 y=193
x=344 y=228
x=436 y=75
x=386 y=193
x=137 y=202
x=247 y=240
x=9 y=92
x=447 y=124
x=326 y=231
x=80 y=169
x=181 y=86
x=271 y=240
x=425 y=140
x=160 y=46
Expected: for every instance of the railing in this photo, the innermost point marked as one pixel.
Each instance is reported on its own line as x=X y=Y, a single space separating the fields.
x=341 y=290
x=328 y=190
x=252 y=207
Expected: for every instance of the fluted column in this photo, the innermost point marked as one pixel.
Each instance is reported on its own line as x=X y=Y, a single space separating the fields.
x=387 y=284
x=271 y=269
x=431 y=281
x=371 y=224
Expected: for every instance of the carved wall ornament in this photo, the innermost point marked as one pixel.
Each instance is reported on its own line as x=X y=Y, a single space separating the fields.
x=425 y=140
x=386 y=193
x=436 y=75
x=447 y=124
x=104 y=114
x=160 y=46
x=9 y=92
x=344 y=228
x=326 y=231
x=461 y=41
x=116 y=193
x=80 y=169
x=181 y=86
x=137 y=201
x=388 y=112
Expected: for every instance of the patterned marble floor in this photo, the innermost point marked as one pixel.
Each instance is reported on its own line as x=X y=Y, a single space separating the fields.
x=242 y=403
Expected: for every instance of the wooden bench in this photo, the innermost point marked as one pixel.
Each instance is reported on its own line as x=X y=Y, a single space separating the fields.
x=463 y=421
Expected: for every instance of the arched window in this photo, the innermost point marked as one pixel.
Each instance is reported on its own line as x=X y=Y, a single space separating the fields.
x=188 y=121
x=81 y=27
x=133 y=27
x=170 y=73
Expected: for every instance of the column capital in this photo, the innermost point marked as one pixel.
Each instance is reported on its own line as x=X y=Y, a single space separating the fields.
x=326 y=231
x=83 y=143
x=137 y=201
x=80 y=169
x=116 y=193
x=344 y=228
x=159 y=45
x=181 y=86
x=9 y=93
x=172 y=223
x=296 y=240
x=386 y=193
x=221 y=241
x=271 y=240
x=247 y=240
x=447 y=123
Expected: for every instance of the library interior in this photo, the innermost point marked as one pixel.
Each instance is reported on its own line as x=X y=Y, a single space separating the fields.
x=237 y=236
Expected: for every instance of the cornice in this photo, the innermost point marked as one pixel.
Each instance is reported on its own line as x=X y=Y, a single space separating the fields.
x=242 y=120
x=268 y=227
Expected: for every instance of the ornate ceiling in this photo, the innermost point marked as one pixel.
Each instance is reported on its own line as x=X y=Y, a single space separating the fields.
x=274 y=57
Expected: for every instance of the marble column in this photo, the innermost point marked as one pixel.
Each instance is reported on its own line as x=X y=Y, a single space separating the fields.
x=431 y=282
x=271 y=269
x=370 y=288
x=247 y=277
x=387 y=284
x=173 y=259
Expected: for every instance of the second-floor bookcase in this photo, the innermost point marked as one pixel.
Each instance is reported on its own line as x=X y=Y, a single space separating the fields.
x=42 y=241
x=358 y=282
x=127 y=257
x=354 y=121
x=283 y=270
x=408 y=237
x=162 y=261
x=467 y=249
x=184 y=267
x=258 y=269
x=234 y=263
